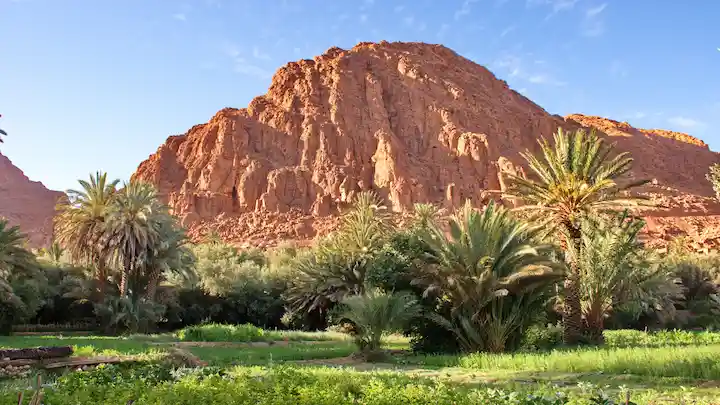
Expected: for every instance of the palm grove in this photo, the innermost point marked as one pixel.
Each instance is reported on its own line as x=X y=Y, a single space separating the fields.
x=492 y=279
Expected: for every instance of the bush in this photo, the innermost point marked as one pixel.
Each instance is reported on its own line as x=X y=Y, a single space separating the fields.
x=221 y=333
x=541 y=338
x=153 y=385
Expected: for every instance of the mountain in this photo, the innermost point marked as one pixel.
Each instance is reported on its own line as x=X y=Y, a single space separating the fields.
x=413 y=121
x=27 y=204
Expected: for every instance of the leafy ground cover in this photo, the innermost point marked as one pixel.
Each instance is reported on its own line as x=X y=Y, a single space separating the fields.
x=251 y=333
x=684 y=369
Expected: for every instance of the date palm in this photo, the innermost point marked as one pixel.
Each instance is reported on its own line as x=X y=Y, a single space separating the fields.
x=13 y=254
x=578 y=176
x=618 y=273
x=132 y=229
x=80 y=224
x=490 y=271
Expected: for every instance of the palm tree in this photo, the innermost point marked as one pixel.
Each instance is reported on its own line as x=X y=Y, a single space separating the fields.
x=489 y=271
x=616 y=272
x=13 y=254
x=132 y=229
x=577 y=177
x=374 y=314
x=169 y=255
x=338 y=264
x=79 y=225
x=15 y=261
x=54 y=253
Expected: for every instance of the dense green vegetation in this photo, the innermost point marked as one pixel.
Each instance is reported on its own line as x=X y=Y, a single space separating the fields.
x=463 y=289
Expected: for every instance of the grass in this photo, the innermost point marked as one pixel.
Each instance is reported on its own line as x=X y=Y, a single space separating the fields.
x=655 y=366
x=689 y=361
x=225 y=356
x=249 y=333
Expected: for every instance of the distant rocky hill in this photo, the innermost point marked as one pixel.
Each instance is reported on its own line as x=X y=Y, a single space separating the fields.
x=415 y=122
x=26 y=203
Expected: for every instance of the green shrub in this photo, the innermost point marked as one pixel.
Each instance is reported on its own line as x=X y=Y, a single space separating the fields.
x=636 y=338
x=275 y=386
x=222 y=333
x=542 y=338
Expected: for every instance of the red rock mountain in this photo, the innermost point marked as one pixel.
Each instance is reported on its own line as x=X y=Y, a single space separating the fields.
x=415 y=122
x=27 y=204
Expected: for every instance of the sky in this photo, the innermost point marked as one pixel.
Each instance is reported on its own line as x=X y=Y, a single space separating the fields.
x=90 y=85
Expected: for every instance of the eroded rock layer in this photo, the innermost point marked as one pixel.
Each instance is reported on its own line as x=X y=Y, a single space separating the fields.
x=27 y=204
x=415 y=122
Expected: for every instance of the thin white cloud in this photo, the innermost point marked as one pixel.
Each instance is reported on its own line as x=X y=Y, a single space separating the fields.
x=464 y=9
x=593 y=25
x=545 y=79
x=409 y=20
x=442 y=31
x=258 y=54
x=515 y=67
x=507 y=31
x=422 y=26
x=363 y=18
x=180 y=16
x=685 y=122
x=556 y=6
x=242 y=66
x=591 y=12
x=399 y=9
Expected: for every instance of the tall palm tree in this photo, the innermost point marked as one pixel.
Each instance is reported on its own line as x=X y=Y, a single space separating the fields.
x=617 y=272
x=486 y=270
x=578 y=176
x=13 y=254
x=80 y=224
x=169 y=255
x=132 y=229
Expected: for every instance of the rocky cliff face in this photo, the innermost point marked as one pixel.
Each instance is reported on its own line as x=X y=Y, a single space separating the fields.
x=415 y=122
x=27 y=204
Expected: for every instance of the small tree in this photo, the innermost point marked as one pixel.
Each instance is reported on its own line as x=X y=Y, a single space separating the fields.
x=713 y=176
x=376 y=314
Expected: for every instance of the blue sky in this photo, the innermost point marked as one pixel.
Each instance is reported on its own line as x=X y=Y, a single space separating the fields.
x=100 y=84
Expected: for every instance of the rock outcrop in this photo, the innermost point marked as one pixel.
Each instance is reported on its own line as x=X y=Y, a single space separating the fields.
x=415 y=122
x=27 y=204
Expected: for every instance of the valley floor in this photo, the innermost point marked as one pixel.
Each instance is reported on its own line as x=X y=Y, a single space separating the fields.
x=678 y=372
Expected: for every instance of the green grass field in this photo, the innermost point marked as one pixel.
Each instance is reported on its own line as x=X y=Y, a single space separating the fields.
x=686 y=368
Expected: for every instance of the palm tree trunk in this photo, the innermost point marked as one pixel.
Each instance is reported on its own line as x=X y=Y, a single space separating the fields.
x=127 y=269
x=152 y=286
x=572 y=311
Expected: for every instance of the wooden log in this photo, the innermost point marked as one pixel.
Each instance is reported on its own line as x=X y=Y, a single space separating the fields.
x=18 y=362
x=36 y=353
x=84 y=361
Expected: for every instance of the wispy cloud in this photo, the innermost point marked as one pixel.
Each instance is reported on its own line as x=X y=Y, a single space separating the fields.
x=367 y=4
x=593 y=25
x=258 y=54
x=591 y=12
x=409 y=21
x=618 y=69
x=399 y=9
x=515 y=67
x=507 y=31
x=545 y=79
x=363 y=18
x=244 y=67
x=464 y=9
x=556 y=6
x=685 y=122
x=180 y=16
x=442 y=31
